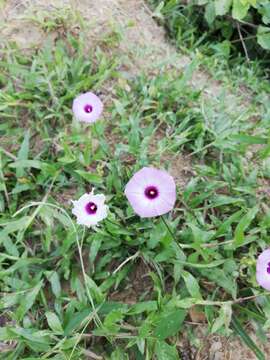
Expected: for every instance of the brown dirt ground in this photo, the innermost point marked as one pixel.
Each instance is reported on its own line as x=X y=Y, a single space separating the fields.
x=142 y=48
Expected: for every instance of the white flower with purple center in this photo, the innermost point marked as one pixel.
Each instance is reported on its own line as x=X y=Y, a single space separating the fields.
x=87 y=107
x=263 y=269
x=90 y=209
x=151 y=192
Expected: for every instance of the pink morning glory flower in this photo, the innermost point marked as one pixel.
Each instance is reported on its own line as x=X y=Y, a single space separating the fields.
x=263 y=269
x=151 y=192
x=90 y=209
x=87 y=107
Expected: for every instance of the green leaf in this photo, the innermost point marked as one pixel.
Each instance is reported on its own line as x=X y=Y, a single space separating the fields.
x=38 y=341
x=222 y=279
x=222 y=7
x=238 y=328
x=66 y=159
x=54 y=322
x=31 y=335
x=192 y=285
x=165 y=255
x=28 y=301
x=14 y=226
x=9 y=300
x=94 y=289
x=23 y=153
x=53 y=278
x=169 y=324
x=20 y=164
x=250 y=140
x=109 y=306
x=220 y=200
x=165 y=352
x=263 y=37
x=239 y=236
x=119 y=354
x=239 y=10
x=264 y=10
x=156 y=236
x=224 y=319
x=186 y=303
x=92 y=178
x=210 y=13
x=147 y=306
x=10 y=247
x=111 y=323
x=77 y=320
x=95 y=246
x=200 y=236
x=21 y=263
x=225 y=226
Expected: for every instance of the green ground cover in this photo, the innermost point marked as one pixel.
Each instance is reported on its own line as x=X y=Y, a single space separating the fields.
x=125 y=291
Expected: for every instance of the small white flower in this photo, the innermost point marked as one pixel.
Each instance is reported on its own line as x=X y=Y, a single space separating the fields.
x=90 y=209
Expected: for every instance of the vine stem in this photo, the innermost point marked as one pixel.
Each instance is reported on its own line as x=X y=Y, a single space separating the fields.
x=171 y=233
x=132 y=257
x=168 y=228
x=229 y=302
x=242 y=41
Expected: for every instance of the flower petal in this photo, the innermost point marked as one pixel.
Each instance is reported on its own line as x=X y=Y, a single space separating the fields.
x=81 y=102
x=83 y=217
x=262 y=276
x=148 y=177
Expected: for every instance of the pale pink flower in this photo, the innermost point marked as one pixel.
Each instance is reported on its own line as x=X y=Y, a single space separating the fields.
x=151 y=192
x=87 y=107
x=263 y=269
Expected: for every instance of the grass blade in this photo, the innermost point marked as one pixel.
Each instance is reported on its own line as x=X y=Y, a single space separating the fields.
x=238 y=328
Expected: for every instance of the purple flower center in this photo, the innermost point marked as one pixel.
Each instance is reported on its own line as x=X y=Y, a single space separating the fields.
x=151 y=192
x=88 y=108
x=91 y=208
x=268 y=268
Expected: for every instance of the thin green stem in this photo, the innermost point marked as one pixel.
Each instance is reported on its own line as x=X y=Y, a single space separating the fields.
x=39 y=204
x=168 y=228
x=171 y=233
